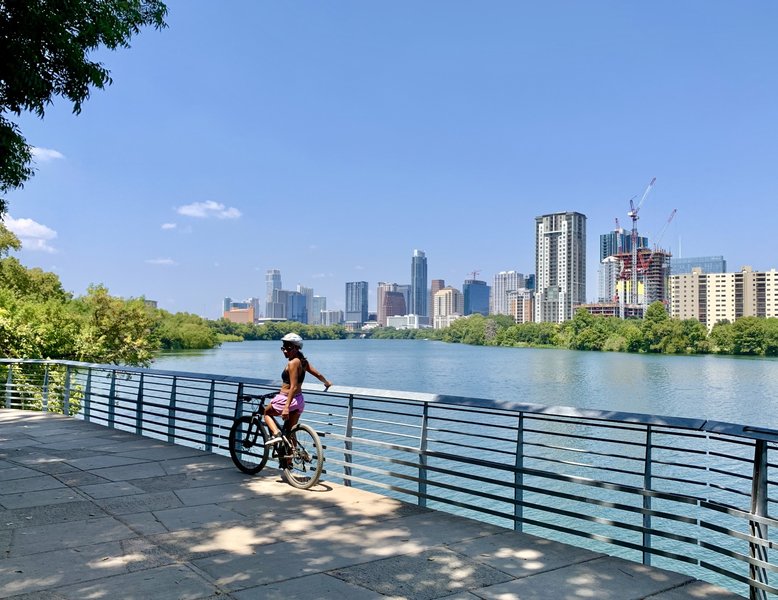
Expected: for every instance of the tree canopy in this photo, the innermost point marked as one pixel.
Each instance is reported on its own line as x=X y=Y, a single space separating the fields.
x=45 y=47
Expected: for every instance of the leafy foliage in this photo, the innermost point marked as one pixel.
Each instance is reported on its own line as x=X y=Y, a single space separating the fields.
x=45 y=45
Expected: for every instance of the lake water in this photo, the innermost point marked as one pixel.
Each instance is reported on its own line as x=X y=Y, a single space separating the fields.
x=738 y=390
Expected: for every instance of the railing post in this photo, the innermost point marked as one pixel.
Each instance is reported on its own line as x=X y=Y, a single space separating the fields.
x=45 y=392
x=423 y=456
x=347 y=458
x=88 y=394
x=239 y=402
x=9 y=386
x=209 y=417
x=518 y=478
x=139 y=408
x=66 y=393
x=171 y=414
x=112 y=400
x=758 y=551
x=647 y=483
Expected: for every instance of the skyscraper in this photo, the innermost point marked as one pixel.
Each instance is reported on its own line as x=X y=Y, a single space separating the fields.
x=356 y=302
x=319 y=305
x=308 y=295
x=272 y=283
x=560 y=265
x=504 y=282
x=418 y=304
x=390 y=301
x=435 y=286
x=620 y=240
x=476 y=294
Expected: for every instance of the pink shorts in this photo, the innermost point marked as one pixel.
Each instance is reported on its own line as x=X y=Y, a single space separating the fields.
x=279 y=403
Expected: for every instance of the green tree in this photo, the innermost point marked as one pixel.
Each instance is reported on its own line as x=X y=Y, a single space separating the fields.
x=721 y=338
x=748 y=336
x=45 y=47
x=115 y=330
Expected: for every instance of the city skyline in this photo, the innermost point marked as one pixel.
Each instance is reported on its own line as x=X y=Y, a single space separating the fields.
x=330 y=141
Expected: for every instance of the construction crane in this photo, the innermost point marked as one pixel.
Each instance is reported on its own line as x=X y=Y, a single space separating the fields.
x=644 y=268
x=633 y=214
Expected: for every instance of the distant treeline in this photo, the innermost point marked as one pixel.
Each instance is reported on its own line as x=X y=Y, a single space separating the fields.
x=656 y=333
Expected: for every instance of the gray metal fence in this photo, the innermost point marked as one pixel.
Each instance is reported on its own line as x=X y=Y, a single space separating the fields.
x=689 y=495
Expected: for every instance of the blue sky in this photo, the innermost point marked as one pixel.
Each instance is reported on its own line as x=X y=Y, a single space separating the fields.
x=331 y=139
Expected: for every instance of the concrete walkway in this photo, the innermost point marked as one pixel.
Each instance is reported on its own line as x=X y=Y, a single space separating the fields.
x=91 y=512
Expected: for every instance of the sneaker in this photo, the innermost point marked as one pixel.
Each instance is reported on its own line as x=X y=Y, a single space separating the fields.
x=273 y=439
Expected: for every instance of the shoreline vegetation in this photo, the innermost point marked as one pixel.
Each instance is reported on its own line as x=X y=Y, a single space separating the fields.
x=656 y=333
x=39 y=319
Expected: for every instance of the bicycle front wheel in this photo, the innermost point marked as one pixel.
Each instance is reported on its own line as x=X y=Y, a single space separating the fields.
x=307 y=459
x=247 y=444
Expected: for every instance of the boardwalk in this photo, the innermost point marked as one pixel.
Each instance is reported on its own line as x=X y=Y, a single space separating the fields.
x=91 y=512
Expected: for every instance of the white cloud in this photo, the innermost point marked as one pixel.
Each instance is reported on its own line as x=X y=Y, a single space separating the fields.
x=33 y=235
x=45 y=154
x=204 y=210
x=169 y=225
x=165 y=262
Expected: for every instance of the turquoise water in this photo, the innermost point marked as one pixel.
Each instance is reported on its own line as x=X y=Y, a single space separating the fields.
x=738 y=390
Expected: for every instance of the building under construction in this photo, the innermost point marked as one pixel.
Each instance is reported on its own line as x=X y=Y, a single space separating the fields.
x=649 y=282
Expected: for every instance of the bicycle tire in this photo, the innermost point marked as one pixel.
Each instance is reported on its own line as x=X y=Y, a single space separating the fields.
x=307 y=458
x=251 y=456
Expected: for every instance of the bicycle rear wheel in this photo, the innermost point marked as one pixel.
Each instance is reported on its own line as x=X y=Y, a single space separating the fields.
x=307 y=459
x=247 y=444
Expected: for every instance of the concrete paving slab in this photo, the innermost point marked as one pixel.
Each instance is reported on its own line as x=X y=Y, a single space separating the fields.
x=194 y=517
x=103 y=460
x=112 y=489
x=138 y=503
x=17 y=473
x=238 y=539
x=698 y=590
x=197 y=464
x=141 y=470
x=58 y=536
x=55 y=513
x=605 y=578
x=40 y=498
x=143 y=585
x=29 y=484
x=521 y=555
x=433 y=573
x=228 y=492
x=32 y=573
x=314 y=587
x=76 y=479
x=143 y=523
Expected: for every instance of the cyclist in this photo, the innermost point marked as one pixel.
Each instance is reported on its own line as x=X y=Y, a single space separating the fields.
x=289 y=402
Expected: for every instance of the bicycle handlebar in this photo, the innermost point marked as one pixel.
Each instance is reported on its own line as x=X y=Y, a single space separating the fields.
x=257 y=396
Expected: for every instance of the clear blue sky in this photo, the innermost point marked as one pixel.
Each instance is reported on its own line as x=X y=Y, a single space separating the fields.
x=331 y=139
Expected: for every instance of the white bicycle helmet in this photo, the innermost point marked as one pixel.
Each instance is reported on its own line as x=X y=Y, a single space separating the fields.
x=293 y=338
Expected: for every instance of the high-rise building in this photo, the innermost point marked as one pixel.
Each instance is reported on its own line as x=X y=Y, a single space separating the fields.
x=356 y=302
x=435 y=286
x=390 y=302
x=308 y=295
x=331 y=317
x=405 y=290
x=272 y=282
x=276 y=307
x=708 y=264
x=529 y=282
x=560 y=265
x=714 y=297
x=504 y=282
x=476 y=295
x=418 y=304
x=319 y=304
x=449 y=305
x=618 y=241
x=607 y=279
x=226 y=305
x=520 y=305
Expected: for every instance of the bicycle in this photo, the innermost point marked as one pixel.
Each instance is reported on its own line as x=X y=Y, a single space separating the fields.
x=299 y=453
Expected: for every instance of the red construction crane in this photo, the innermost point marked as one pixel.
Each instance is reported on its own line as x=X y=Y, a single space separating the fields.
x=633 y=214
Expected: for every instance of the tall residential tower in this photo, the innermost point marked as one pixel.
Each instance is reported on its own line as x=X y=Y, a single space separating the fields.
x=560 y=265
x=418 y=303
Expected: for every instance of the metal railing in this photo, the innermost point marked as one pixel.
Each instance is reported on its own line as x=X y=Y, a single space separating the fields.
x=693 y=496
